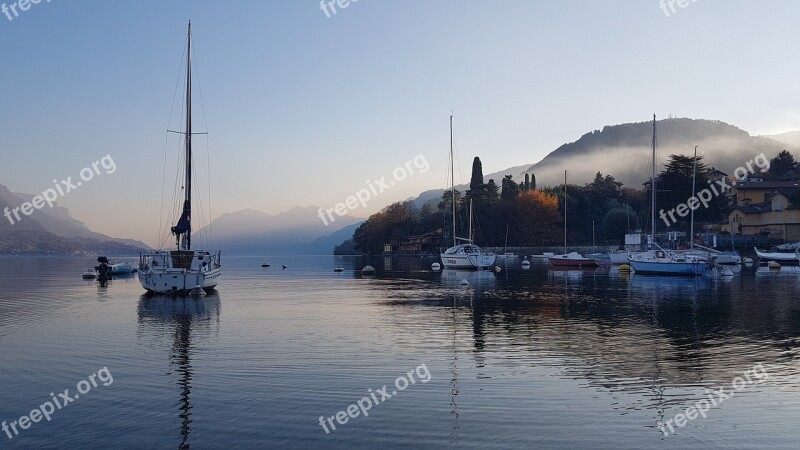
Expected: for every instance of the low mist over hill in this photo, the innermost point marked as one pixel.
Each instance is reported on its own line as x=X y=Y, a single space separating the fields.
x=623 y=151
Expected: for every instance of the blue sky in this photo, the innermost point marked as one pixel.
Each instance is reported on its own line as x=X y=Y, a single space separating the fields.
x=303 y=109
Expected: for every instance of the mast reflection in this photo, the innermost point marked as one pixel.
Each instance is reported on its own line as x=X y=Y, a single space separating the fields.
x=180 y=321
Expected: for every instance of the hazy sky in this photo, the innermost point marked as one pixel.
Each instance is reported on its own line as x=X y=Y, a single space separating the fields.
x=303 y=109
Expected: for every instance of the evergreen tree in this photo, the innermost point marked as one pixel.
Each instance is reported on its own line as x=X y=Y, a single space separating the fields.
x=532 y=186
x=527 y=185
x=510 y=189
x=782 y=165
x=476 y=181
x=491 y=192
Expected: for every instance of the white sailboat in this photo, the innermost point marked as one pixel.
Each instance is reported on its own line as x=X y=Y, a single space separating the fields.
x=573 y=259
x=659 y=261
x=466 y=255
x=182 y=270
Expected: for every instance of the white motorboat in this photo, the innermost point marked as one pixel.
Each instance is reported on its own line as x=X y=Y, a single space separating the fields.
x=182 y=270
x=122 y=268
x=783 y=258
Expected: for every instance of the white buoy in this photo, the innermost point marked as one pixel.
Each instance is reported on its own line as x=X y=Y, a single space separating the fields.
x=526 y=264
x=497 y=269
x=436 y=267
x=464 y=282
x=748 y=260
x=368 y=270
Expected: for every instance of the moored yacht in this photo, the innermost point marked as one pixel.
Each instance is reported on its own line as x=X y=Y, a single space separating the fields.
x=573 y=259
x=466 y=255
x=182 y=270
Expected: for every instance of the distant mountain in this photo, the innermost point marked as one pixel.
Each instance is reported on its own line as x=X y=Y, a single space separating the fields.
x=623 y=151
x=325 y=244
x=54 y=231
x=791 y=138
x=297 y=231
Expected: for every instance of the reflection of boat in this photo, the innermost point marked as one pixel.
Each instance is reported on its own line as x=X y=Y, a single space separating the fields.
x=184 y=269
x=466 y=255
x=481 y=280
x=790 y=258
x=90 y=274
x=179 y=323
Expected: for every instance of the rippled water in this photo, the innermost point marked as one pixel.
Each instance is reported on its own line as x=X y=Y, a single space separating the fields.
x=519 y=359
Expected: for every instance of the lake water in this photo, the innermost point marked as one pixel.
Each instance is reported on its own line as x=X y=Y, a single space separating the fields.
x=519 y=359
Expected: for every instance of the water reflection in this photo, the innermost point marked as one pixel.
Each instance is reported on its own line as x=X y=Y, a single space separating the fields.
x=179 y=322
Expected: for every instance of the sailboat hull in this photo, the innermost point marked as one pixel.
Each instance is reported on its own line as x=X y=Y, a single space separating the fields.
x=469 y=262
x=563 y=261
x=693 y=269
x=179 y=283
x=179 y=272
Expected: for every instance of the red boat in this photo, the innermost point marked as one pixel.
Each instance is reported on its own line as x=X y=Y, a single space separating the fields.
x=572 y=260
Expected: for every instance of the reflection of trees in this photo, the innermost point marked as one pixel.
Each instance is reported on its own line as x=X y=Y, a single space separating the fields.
x=643 y=336
x=178 y=321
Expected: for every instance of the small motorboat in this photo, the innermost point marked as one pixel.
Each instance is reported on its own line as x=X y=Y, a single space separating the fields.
x=783 y=258
x=572 y=259
x=90 y=274
x=122 y=268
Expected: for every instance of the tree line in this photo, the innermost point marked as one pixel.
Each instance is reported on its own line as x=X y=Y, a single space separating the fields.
x=522 y=215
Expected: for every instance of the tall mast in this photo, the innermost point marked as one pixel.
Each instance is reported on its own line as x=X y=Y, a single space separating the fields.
x=187 y=237
x=452 y=181
x=694 y=181
x=470 y=221
x=653 y=182
x=565 y=212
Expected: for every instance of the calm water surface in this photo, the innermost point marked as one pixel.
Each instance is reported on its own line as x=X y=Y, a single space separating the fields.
x=519 y=359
